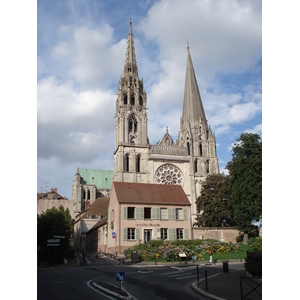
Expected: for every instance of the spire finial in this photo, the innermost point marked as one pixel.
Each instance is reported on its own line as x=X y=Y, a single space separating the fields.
x=188 y=46
x=167 y=130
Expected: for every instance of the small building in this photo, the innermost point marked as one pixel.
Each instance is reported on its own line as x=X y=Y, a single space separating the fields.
x=96 y=237
x=85 y=221
x=140 y=212
x=48 y=200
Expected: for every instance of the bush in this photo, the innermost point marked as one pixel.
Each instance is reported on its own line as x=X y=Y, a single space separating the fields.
x=254 y=263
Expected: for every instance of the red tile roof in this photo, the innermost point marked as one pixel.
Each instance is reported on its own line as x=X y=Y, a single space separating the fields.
x=99 y=206
x=147 y=193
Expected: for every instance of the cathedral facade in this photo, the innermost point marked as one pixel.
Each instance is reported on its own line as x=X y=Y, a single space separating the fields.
x=186 y=162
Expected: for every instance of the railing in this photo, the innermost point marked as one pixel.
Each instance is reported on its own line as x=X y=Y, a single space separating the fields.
x=173 y=150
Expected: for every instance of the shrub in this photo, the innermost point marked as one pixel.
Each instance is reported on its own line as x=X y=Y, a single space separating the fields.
x=254 y=263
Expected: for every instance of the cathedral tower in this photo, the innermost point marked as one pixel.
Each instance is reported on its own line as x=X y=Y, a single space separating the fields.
x=131 y=122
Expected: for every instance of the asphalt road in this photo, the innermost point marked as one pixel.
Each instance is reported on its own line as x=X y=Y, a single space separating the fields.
x=156 y=282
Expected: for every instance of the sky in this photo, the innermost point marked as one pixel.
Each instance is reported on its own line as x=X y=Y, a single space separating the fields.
x=81 y=47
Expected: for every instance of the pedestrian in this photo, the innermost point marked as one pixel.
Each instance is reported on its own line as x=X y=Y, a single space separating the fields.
x=210 y=255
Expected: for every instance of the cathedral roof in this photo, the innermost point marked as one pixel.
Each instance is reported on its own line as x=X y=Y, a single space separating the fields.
x=166 y=140
x=147 y=193
x=192 y=103
x=101 y=178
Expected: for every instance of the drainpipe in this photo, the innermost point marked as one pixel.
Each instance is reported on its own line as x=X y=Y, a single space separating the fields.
x=119 y=235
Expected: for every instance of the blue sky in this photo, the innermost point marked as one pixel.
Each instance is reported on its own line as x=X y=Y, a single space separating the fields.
x=81 y=48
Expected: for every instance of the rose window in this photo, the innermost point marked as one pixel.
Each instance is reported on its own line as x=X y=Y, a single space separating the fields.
x=168 y=174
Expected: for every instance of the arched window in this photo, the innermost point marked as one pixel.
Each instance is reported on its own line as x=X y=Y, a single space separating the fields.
x=132 y=99
x=84 y=194
x=125 y=99
x=188 y=148
x=126 y=163
x=200 y=148
x=196 y=166
x=207 y=166
x=141 y=101
x=138 y=164
x=88 y=194
x=132 y=124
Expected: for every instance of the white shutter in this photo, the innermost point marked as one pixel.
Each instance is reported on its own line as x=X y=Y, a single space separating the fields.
x=125 y=212
x=124 y=234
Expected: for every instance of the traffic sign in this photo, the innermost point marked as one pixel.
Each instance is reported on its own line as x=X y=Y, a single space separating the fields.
x=113 y=234
x=53 y=241
x=120 y=276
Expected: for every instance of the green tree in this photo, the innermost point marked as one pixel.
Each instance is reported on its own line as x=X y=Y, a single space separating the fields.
x=245 y=173
x=214 y=202
x=54 y=222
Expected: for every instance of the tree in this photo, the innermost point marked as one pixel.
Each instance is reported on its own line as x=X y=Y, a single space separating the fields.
x=245 y=175
x=214 y=202
x=54 y=222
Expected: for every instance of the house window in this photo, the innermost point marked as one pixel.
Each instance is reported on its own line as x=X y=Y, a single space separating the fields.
x=179 y=234
x=164 y=213
x=130 y=233
x=147 y=213
x=130 y=213
x=179 y=214
x=164 y=233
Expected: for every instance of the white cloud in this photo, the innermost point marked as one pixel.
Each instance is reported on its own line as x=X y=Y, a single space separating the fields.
x=73 y=125
x=93 y=58
x=226 y=32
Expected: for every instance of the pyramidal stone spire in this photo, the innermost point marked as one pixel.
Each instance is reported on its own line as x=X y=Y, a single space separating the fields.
x=192 y=103
x=130 y=66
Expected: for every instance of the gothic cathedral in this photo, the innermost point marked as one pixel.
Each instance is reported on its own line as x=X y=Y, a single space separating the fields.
x=187 y=161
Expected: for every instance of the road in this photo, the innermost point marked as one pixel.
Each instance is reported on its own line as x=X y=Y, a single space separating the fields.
x=144 y=283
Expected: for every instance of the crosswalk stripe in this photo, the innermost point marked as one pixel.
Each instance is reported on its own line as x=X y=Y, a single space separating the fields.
x=184 y=277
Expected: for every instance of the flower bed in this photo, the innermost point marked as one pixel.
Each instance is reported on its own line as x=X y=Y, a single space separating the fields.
x=169 y=250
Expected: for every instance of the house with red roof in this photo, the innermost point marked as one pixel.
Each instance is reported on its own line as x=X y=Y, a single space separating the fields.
x=141 y=212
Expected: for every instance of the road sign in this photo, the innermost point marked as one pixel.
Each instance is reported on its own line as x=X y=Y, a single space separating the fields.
x=120 y=276
x=52 y=244
x=59 y=236
x=113 y=234
x=53 y=241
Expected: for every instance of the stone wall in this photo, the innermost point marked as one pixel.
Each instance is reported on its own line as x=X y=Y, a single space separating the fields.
x=222 y=234
x=44 y=204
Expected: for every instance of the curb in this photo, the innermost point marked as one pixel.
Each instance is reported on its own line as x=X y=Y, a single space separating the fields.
x=204 y=293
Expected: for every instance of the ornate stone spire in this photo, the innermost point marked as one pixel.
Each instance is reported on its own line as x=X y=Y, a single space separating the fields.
x=130 y=66
x=192 y=103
